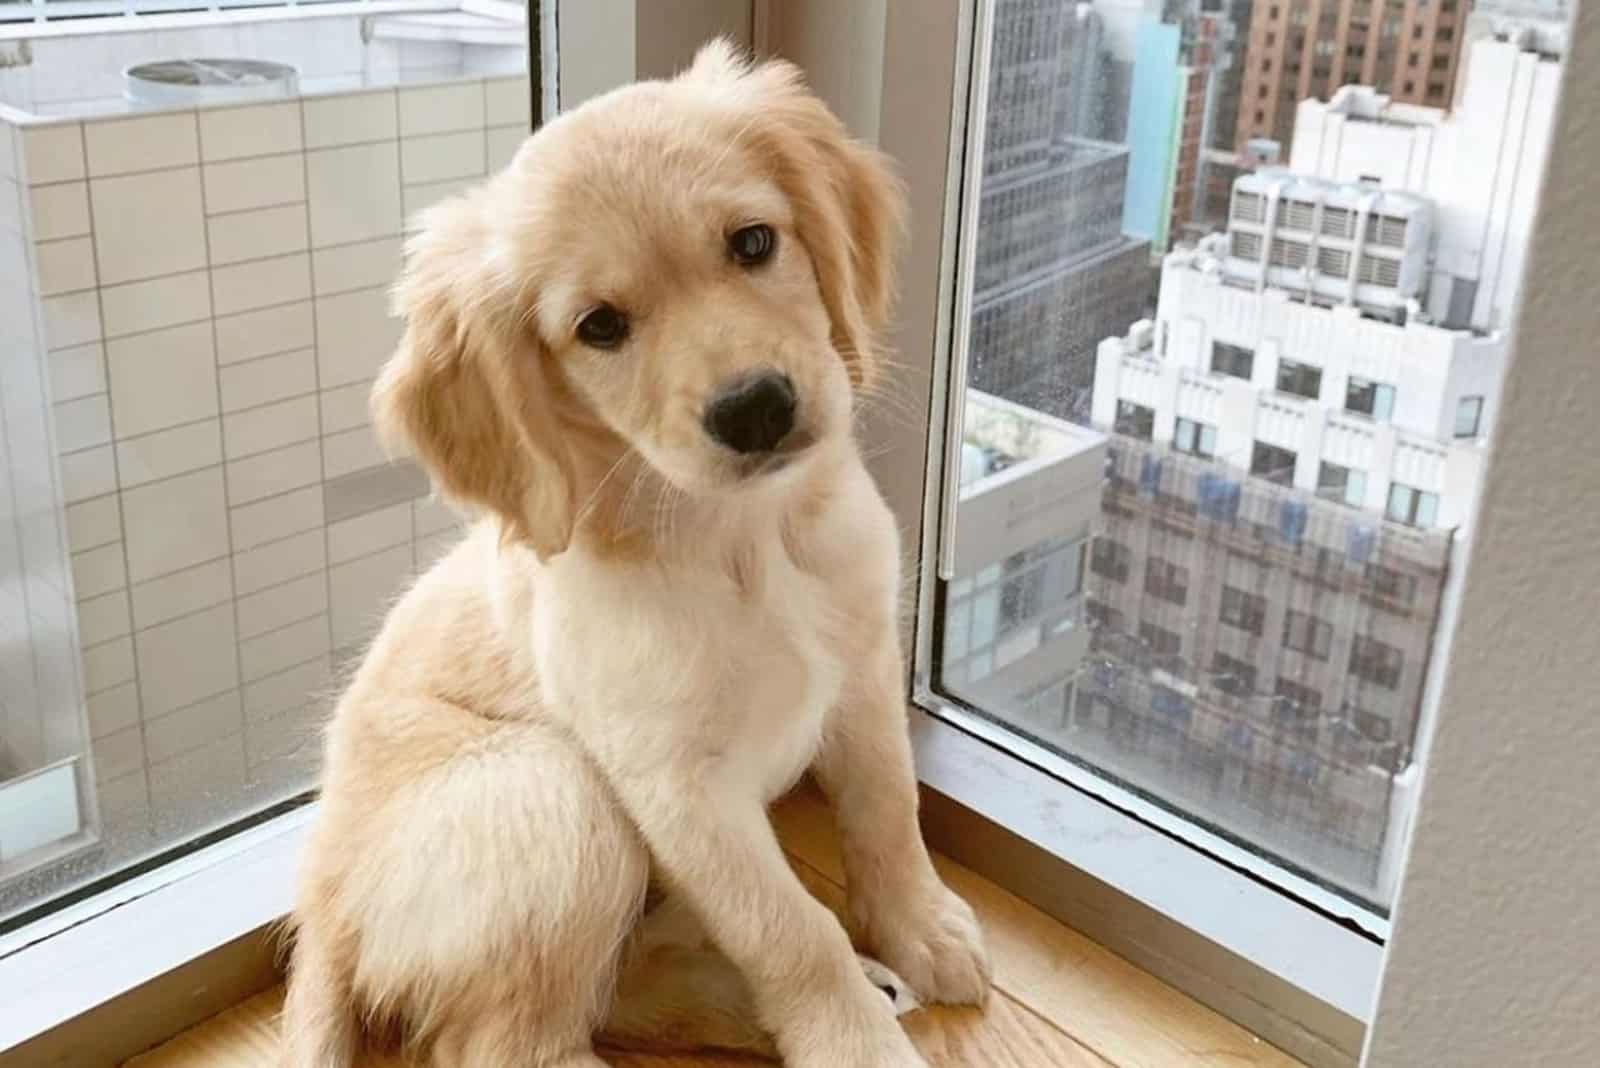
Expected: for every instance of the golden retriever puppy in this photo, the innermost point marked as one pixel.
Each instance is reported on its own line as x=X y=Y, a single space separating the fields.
x=636 y=353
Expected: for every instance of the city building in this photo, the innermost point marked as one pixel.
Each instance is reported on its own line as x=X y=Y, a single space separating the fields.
x=1306 y=49
x=1014 y=633
x=1479 y=163
x=1177 y=83
x=1298 y=438
x=1054 y=272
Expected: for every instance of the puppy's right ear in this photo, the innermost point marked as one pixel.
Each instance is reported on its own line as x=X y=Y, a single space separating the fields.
x=465 y=388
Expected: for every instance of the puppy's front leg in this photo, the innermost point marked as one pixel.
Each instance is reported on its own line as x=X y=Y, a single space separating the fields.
x=899 y=907
x=718 y=851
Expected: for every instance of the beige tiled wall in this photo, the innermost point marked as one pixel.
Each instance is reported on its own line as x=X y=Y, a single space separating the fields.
x=211 y=287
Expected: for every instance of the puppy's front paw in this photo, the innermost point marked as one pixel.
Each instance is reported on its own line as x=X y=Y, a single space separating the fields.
x=934 y=942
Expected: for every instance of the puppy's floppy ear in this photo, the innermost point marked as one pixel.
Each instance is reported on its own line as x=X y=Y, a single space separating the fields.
x=849 y=206
x=466 y=388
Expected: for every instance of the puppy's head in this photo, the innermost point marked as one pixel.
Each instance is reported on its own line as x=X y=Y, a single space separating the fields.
x=693 y=272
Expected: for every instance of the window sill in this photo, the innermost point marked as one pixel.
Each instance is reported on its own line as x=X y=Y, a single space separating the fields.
x=1316 y=949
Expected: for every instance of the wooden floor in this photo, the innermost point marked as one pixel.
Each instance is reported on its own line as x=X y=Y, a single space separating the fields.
x=1061 y=1000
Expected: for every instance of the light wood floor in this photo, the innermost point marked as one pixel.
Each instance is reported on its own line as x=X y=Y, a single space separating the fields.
x=1061 y=1000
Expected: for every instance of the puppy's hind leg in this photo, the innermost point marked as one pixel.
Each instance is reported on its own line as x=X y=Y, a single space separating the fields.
x=319 y=1025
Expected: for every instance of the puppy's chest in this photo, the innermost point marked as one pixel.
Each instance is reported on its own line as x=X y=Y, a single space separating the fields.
x=739 y=677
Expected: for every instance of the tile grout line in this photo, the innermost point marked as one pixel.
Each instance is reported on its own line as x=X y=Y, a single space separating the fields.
x=222 y=436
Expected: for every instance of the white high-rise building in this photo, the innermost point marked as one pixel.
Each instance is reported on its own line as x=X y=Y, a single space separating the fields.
x=1479 y=165
x=1298 y=442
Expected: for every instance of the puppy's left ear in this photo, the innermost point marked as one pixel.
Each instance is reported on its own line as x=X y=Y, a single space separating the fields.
x=849 y=206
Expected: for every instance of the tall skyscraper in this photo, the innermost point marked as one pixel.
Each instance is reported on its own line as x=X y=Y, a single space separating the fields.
x=1054 y=271
x=1306 y=49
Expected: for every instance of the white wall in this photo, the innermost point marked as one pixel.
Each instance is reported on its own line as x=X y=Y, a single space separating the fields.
x=1492 y=959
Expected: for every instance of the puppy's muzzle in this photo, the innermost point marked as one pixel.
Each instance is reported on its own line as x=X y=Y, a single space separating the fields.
x=752 y=414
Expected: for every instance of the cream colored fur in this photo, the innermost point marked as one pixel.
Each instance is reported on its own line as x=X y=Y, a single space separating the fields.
x=545 y=790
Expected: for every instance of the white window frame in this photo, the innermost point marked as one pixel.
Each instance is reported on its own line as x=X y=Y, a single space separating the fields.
x=85 y=955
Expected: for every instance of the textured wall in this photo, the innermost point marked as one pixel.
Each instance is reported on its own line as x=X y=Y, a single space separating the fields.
x=1493 y=956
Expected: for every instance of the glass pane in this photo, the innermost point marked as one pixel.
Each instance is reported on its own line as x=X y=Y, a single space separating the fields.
x=198 y=529
x=1249 y=392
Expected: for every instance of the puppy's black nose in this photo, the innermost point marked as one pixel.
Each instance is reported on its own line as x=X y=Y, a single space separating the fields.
x=752 y=414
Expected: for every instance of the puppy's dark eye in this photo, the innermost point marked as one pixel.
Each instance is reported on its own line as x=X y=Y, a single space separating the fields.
x=752 y=245
x=603 y=328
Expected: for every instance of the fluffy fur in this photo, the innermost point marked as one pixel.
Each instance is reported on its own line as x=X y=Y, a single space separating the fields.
x=544 y=795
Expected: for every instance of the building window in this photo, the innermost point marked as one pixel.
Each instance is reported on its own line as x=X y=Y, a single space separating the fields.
x=1162 y=642
x=1247 y=207
x=1436 y=89
x=1389 y=230
x=1135 y=420
x=1366 y=397
x=1333 y=262
x=1441 y=63
x=1287 y=253
x=1233 y=676
x=1102 y=615
x=1307 y=634
x=1168 y=581
x=1412 y=507
x=1298 y=708
x=1300 y=379
x=1345 y=484
x=1379 y=271
x=1372 y=727
x=1196 y=439
x=1245 y=246
x=1247 y=611
x=1392 y=585
x=1234 y=360
x=1272 y=463
x=1411 y=88
x=1377 y=662
x=1469 y=414
x=1110 y=559
x=1298 y=214
x=1412 y=60
x=1337 y=222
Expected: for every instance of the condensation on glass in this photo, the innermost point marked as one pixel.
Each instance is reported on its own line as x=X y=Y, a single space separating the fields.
x=197 y=525
x=1234 y=360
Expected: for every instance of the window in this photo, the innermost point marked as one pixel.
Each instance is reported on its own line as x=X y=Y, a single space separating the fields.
x=1273 y=463
x=1379 y=271
x=1232 y=676
x=1234 y=360
x=1344 y=484
x=1246 y=611
x=1286 y=253
x=1412 y=507
x=163 y=683
x=1135 y=420
x=1469 y=414
x=1110 y=559
x=1166 y=580
x=1300 y=379
x=1366 y=397
x=1392 y=585
x=1333 y=262
x=1297 y=707
x=1307 y=634
x=1162 y=642
x=1337 y=222
x=1191 y=478
x=1196 y=439
x=1376 y=662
